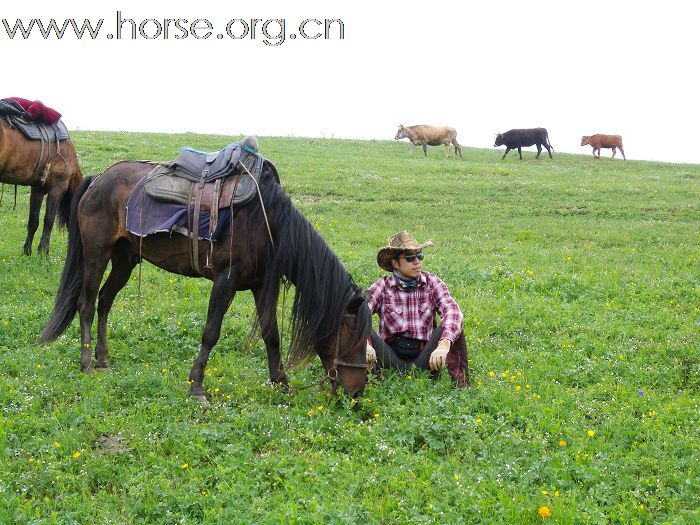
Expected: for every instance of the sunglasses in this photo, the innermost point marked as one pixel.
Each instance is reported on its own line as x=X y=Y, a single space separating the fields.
x=412 y=257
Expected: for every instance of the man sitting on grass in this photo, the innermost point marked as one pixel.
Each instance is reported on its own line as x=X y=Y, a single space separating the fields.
x=406 y=301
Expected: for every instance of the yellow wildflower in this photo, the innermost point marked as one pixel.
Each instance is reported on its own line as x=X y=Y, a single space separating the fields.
x=76 y=454
x=563 y=443
x=544 y=512
x=185 y=466
x=590 y=433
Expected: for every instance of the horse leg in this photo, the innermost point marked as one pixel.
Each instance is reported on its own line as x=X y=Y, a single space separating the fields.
x=94 y=265
x=123 y=263
x=271 y=337
x=458 y=149
x=52 y=201
x=35 y=200
x=222 y=294
x=623 y=153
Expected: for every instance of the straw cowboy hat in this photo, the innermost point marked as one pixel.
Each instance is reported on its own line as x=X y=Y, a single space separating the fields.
x=396 y=245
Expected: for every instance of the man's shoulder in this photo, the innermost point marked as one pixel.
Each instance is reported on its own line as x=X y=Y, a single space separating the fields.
x=432 y=278
x=382 y=282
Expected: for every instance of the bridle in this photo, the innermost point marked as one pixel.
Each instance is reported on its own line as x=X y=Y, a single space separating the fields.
x=332 y=373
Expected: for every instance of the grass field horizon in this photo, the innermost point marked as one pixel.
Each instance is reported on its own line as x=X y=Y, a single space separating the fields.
x=579 y=280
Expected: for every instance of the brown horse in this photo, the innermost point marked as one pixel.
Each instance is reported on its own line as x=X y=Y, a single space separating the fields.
x=19 y=159
x=329 y=313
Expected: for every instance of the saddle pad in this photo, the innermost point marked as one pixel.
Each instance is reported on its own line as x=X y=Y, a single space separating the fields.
x=146 y=216
x=40 y=131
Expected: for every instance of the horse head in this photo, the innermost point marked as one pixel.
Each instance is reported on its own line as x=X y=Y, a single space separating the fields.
x=344 y=353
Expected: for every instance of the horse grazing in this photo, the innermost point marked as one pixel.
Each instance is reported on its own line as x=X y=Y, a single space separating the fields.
x=329 y=314
x=49 y=168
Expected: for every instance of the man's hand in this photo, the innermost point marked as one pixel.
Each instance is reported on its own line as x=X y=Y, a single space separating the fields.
x=438 y=358
x=371 y=356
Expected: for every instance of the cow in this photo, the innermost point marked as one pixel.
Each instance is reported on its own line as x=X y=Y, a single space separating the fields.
x=604 y=141
x=425 y=136
x=518 y=138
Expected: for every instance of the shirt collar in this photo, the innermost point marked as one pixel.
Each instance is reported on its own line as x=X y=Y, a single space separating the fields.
x=421 y=282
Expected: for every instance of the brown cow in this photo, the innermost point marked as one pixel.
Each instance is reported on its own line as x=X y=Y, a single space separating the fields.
x=604 y=141
x=425 y=136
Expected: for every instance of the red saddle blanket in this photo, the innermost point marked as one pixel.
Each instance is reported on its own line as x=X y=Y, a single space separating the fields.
x=36 y=110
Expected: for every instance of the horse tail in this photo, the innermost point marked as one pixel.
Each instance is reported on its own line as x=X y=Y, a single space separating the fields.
x=71 y=284
x=64 y=208
x=546 y=133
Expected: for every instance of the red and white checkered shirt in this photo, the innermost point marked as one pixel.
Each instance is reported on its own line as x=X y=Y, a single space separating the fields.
x=412 y=314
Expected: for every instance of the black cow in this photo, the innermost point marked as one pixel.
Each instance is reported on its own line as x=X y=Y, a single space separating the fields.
x=518 y=138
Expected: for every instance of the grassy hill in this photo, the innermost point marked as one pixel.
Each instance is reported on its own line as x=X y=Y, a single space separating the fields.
x=579 y=282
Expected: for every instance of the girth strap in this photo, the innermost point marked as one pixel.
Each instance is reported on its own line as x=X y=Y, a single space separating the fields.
x=195 y=219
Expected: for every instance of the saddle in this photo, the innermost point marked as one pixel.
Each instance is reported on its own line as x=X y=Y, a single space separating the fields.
x=46 y=132
x=32 y=129
x=205 y=182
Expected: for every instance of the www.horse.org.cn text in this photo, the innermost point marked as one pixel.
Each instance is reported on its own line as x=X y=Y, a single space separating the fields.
x=270 y=31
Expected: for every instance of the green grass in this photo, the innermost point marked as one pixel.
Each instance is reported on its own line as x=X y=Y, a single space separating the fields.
x=579 y=282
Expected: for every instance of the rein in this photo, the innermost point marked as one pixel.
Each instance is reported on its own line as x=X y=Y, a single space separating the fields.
x=262 y=204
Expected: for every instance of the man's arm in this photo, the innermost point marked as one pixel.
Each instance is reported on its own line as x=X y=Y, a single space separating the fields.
x=448 y=309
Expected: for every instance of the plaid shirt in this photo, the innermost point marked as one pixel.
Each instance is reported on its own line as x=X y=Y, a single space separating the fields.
x=412 y=314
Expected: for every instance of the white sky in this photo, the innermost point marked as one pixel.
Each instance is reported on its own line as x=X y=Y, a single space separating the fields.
x=576 y=68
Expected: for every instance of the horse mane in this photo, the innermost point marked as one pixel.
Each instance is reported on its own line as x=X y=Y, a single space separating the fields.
x=323 y=286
